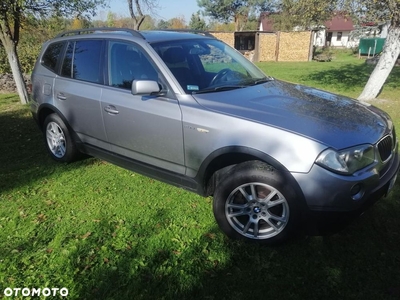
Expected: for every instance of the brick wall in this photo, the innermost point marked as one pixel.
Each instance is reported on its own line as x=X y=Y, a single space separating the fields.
x=294 y=46
x=280 y=46
x=227 y=37
x=267 y=47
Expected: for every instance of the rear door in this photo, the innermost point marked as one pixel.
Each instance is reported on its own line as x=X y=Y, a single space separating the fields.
x=144 y=128
x=77 y=91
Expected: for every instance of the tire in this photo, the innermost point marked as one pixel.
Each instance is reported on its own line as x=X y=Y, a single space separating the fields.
x=58 y=140
x=253 y=203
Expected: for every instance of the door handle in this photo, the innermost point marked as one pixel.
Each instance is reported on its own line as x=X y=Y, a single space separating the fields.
x=61 y=96
x=111 y=109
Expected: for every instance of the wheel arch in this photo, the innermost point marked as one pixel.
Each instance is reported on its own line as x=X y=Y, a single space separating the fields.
x=218 y=163
x=45 y=110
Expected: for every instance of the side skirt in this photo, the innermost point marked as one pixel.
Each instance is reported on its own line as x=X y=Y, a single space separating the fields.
x=163 y=175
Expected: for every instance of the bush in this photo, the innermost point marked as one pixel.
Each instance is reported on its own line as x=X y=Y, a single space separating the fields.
x=4 y=65
x=27 y=53
x=33 y=34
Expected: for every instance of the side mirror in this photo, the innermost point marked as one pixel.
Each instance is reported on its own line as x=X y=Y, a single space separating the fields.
x=145 y=87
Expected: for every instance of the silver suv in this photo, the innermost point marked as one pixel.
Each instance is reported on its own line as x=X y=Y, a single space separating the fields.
x=189 y=110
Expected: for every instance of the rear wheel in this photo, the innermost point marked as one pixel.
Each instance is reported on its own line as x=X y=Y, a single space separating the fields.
x=58 y=139
x=254 y=203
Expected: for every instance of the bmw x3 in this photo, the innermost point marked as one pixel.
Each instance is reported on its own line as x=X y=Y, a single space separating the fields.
x=189 y=110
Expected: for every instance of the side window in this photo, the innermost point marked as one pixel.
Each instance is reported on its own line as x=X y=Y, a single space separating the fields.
x=51 y=55
x=66 y=69
x=82 y=61
x=127 y=62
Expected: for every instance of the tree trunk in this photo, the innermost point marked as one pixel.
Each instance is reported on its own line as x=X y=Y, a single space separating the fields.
x=237 y=28
x=138 y=22
x=11 y=50
x=138 y=17
x=385 y=65
x=17 y=74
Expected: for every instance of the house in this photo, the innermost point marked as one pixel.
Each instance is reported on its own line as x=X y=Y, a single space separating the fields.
x=337 y=32
x=334 y=32
x=266 y=23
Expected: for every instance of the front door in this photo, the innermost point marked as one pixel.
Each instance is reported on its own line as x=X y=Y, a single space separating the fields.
x=143 y=128
x=329 y=39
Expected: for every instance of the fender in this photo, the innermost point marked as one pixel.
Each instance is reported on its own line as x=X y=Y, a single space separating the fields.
x=44 y=110
x=232 y=155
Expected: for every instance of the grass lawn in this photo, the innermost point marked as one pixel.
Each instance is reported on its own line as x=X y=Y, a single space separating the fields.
x=345 y=75
x=106 y=233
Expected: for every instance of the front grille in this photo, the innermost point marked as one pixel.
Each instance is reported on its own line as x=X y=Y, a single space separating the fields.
x=385 y=147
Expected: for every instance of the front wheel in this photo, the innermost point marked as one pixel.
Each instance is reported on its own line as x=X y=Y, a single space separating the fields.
x=254 y=203
x=58 y=139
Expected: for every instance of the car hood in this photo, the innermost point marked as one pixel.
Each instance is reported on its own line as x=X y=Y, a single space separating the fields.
x=333 y=120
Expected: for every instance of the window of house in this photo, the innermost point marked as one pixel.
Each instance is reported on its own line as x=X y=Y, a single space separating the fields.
x=339 y=36
x=50 y=57
x=82 y=61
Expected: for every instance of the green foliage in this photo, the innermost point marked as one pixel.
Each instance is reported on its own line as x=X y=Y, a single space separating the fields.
x=376 y=11
x=226 y=10
x=252 y=23
x=177 y=23
x=303 y=13
x=162 y=24
x=233 y=10
x=127 y=22
x=148 y=23
x=4 y=65
x=48 y=8
x=34 y=33
x=14 y=14
x=197 y=23
x=217 y=26
x=28 y=54
x=110 y=19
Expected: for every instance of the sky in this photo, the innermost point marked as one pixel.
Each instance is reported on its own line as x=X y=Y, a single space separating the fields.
x=168 y=9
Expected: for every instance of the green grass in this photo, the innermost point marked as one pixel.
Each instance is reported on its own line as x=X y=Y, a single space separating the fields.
x=106 y=233
x=346 y=75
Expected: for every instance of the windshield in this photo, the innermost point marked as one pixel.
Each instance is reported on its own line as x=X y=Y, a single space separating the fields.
x=204 y=65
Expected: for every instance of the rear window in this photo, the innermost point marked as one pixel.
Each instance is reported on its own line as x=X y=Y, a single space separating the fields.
x=83 y=61
x=51 y=55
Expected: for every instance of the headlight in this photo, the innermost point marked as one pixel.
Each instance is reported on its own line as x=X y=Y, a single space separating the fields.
x=347 y=161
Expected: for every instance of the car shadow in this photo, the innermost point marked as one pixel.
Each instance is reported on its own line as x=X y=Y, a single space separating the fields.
x=24 y=159
x=347 y=265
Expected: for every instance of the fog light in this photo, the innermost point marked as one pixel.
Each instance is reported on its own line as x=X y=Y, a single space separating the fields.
x=357 y=191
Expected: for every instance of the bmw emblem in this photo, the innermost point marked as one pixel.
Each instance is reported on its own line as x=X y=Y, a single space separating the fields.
x=257 y=209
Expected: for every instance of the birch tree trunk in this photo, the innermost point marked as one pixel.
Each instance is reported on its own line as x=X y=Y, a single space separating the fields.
x=11 y=50
x=385 y=65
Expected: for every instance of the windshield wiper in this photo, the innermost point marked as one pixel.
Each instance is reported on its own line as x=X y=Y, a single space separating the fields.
x=261 y=80
x=219 y=89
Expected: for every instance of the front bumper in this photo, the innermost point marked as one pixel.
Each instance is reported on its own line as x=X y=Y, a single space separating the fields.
x=331 y=198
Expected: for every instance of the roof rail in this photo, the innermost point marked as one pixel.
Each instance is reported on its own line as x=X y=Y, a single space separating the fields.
x=94 y=29
x=205 y=33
